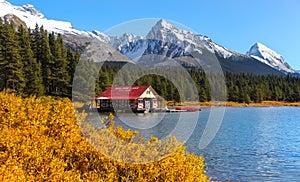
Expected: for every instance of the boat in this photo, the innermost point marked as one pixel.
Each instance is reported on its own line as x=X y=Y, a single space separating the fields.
x=183 y=109
x=187 y=109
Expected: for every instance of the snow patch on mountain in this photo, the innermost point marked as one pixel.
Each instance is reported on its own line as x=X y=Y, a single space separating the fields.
x=166 y=32
x=165 y=39
x=120 y=41
x=136 y=51
x=28 y=8
x=31 y=17
x=116 y=41
x=101 y=36
x=131 y=45
x=269 y=57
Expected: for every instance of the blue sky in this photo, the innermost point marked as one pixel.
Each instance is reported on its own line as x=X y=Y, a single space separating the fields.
x=234 y=24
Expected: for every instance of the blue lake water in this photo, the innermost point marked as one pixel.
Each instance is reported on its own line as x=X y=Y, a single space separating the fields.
x=252 y=144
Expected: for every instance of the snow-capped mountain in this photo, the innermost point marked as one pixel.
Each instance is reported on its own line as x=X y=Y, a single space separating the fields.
x=187 y=40
x=31 y=17
x=269 y=57
x=166 y=40
x=163 y=43
x=180 y=42
x=122 y=42
x=93 y=43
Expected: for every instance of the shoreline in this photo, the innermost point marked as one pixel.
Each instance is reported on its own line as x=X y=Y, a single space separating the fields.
x=235 y=104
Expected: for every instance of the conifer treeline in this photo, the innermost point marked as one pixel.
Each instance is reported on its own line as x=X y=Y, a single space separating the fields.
x=246 y=88
x=35 y=62
x=241 y=88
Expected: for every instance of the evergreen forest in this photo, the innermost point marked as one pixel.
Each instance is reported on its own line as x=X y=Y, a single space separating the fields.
x=37 y=63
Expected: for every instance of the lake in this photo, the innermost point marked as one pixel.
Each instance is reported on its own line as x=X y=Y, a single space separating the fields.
x=252 y=144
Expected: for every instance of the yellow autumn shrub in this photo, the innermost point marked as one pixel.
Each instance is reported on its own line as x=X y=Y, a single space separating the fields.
x=43 y=139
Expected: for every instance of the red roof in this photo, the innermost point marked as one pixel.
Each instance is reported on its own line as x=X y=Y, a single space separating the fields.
x=123 y=92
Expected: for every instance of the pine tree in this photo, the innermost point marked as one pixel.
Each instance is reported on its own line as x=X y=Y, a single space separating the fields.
x=102 y=82
x=44 y=56
x=59 y=70
x=247 y=99
x=11 y=64
x=72 y=60
x=258 y=95
x=2 y=60
x=35 y=42
x=84 y=82
x=31 y=69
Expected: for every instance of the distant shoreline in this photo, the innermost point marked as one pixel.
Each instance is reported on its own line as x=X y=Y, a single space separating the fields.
x=235 y=104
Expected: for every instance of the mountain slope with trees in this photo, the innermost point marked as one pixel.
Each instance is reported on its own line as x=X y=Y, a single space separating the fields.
x=36 y=62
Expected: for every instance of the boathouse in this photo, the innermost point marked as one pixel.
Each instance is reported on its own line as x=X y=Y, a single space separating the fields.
x=128 y=98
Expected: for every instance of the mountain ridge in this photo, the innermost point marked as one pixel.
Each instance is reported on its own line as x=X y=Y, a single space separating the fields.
x=164 y=40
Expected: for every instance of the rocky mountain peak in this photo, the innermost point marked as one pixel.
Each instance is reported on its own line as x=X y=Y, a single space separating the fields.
x=163 y=24
x=268 y=56
x=30 y=9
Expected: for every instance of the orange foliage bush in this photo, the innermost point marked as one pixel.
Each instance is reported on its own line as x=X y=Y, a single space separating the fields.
x=40 y=140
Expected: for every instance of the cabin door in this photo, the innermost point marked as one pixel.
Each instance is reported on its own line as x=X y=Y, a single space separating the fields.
x=147 y=104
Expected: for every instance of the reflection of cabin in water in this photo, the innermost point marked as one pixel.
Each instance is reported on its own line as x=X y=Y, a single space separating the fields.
x=129 y=98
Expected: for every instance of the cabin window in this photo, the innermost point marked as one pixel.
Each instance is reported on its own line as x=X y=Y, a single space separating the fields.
x=148 y=92
x=140 y=103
